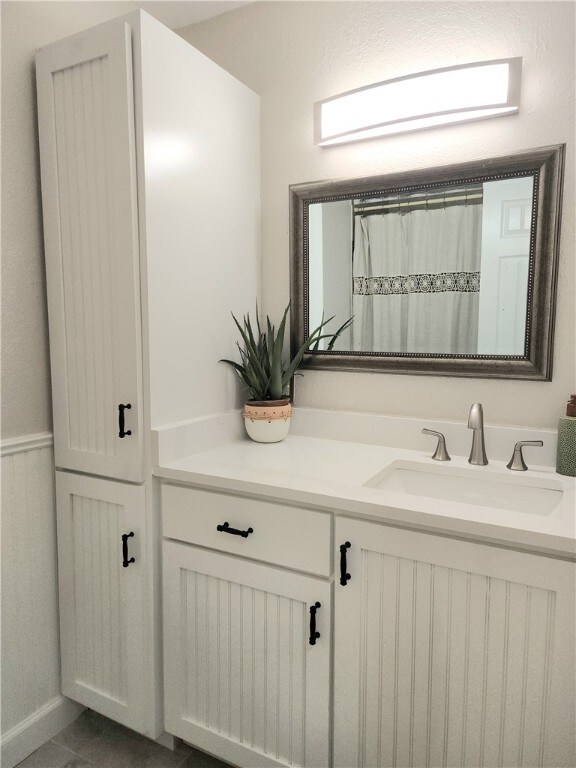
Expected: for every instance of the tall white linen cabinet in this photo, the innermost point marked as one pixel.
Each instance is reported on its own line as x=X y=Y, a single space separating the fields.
x=150 y=188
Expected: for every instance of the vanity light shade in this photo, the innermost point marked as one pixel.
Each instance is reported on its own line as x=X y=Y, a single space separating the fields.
x=425 y=100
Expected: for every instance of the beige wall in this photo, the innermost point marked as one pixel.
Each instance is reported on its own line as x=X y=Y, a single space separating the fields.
x=294 y=53
x=25 y=362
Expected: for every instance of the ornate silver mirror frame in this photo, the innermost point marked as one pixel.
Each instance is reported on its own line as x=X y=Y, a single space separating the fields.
x=546 y=165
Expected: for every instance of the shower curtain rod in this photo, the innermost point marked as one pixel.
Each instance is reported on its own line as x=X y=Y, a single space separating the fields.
x=470 y=196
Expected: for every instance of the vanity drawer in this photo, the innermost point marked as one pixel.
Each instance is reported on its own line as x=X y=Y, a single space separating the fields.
x=287 y=536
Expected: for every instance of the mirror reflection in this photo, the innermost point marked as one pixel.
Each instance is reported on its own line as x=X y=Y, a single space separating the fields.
x=440 y=270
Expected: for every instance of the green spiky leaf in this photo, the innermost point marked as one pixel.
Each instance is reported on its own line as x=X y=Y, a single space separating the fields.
x=262 y=369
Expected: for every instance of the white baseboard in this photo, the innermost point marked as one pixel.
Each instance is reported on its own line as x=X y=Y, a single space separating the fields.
x=21 y=740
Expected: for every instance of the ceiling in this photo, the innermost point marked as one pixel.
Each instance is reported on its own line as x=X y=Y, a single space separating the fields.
x=181 y=13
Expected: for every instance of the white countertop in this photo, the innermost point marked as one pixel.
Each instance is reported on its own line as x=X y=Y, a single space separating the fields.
x=330 y=475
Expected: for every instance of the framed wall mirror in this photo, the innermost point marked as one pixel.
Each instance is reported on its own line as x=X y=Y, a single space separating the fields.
x=446 y=271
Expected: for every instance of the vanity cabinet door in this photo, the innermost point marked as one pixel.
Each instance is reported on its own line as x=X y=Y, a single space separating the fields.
x=86 y=114
x=103 y=605
x=449 y=653
x=241 y=679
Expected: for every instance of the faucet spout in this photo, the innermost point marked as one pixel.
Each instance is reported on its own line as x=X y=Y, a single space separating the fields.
x=476 y=423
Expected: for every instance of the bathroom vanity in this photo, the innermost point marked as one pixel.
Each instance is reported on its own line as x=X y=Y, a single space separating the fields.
x=315 y=613
x=336 y=599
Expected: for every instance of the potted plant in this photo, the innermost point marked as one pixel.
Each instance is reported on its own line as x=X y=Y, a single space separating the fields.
x=266 y=374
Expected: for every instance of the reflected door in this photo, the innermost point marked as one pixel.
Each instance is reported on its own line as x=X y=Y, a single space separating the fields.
x=504 y=266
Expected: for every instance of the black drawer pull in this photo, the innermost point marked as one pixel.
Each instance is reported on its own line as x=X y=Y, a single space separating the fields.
x=343 y=567
x=125 y=561
x=121 y=431
x=225 y=528
x=313 y=634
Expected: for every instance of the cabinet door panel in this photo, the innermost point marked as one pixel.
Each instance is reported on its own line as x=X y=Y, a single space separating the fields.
x=91 y=244
x=449 y=653
x=102 y=603
x=241 y=679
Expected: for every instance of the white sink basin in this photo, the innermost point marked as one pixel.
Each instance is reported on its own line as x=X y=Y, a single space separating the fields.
x=478 y=486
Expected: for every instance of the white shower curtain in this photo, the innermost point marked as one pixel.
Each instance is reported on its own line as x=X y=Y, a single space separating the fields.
x=416 y=278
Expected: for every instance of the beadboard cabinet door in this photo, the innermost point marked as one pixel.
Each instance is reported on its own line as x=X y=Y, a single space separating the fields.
x=103 y=604
x=87 y=154
x=242 y=680
x=449 y=653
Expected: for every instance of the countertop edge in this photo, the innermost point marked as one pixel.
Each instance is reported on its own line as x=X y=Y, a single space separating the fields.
x=558 y=547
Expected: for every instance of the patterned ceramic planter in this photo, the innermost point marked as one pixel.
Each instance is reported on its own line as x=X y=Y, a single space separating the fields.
x=267 y=421
x=566 y=454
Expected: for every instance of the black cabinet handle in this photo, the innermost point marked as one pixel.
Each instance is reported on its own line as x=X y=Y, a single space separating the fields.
x=343 y=567
x=125 y=561
x=313 y=634
x=225 y=528
x=121 y=409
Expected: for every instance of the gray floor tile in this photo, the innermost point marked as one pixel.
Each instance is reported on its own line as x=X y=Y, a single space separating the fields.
x=125 y=749
x=77 y=762
x=93 y=741
x=82 y=732
x=199 y=759
x=51 y=755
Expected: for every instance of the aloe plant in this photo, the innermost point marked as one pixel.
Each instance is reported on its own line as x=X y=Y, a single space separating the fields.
x=263 y=370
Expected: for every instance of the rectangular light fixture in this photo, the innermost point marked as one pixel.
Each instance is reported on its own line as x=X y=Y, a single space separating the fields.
x=425 y=100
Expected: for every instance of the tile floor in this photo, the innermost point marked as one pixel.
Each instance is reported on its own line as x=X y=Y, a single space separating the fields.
x=93 y=741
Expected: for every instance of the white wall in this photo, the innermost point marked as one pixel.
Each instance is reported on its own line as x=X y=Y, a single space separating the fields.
x=337 y=247
x=295 y=53
x=33 y=709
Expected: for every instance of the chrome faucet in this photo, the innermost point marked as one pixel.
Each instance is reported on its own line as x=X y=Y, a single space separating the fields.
x=476 y=422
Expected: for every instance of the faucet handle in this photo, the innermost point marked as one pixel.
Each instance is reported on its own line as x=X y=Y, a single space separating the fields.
x=440 y=454
x=517 y=462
